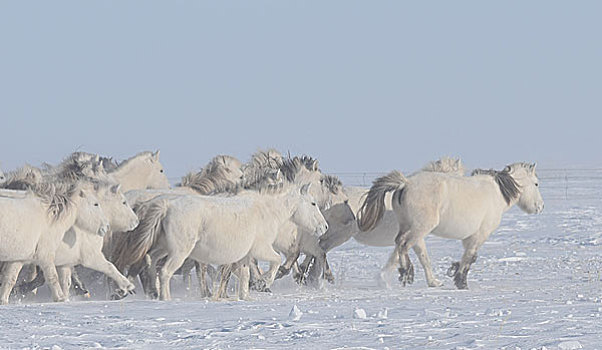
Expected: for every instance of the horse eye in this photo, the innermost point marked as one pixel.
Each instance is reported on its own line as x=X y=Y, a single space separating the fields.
x=161 y=170
x=313 y=203
x=95 y=204
x=124 y=203
x=536 y=185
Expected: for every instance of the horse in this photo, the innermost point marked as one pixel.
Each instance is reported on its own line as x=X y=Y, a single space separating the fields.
x=87 y=169
x=219 y=230
x=342 y=226
x=449 y=206
x=82 y=247
x=384 y=233
x=51 y=209
x=142 y=171
x=222 y=173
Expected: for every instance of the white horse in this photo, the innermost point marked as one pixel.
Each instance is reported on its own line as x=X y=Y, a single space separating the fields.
x=384 y=233
x=295 y=241
x=82 y=247
x=219 y=230
x=222 y=173
x=141 y=171
x=449 y=206
x=341 y=229
x=50 y=209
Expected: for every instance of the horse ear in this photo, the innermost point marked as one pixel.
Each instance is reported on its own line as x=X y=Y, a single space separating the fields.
x=314 y=165
x=305 y=189
x=115 y=188
x=82 y=193
x=508 y=169
x=156 y=155
x=533 y=166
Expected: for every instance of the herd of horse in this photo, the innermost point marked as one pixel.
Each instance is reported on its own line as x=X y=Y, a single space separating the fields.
x=126 y=221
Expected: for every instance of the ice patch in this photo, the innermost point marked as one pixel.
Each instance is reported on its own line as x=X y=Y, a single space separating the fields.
x=570 y=345
x=295 y=314
x=359 y=314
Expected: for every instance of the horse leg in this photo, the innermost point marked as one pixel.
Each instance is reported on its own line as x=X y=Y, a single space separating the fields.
x=52 y=279
x=327 y=271
x=300 y=278
x=64 y=273
x=406 y=269
x=10 y=273
x=256 y=283
x=225 y=271
x=471 y=245
x=244 y=275
x=32 y=274
x=32 y=285
x=186 y=273
x=78 y=284
x=422 y=253
x=406 y=240
x=285 y=269
x=267 y=253
x=98 y=262
x=201 y=275
x=171 y=265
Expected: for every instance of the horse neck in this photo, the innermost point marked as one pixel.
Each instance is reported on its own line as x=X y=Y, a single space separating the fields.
x=130 y=177
x=64 y=222
x=279 y=206
x=500 y=198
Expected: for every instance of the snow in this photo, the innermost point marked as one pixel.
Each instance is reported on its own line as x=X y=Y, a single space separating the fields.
x=536 y=284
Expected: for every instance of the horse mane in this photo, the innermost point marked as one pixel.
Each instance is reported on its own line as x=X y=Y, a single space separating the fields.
x=121 y=164
x=23 y=178
x=291 y=167
x=78 y=166
x=446 y=165
x=213 y=178
x=108 y=163
x=261 y=163
x=509 y=188
x=52 y=192
x=332 y=183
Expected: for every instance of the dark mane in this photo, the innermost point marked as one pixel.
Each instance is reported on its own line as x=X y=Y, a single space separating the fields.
x=508 y=187
x=332 y=183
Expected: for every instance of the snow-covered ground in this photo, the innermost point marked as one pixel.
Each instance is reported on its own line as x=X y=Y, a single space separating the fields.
x=537 y=283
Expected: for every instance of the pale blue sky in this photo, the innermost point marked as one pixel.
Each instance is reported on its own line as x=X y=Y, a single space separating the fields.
x=361 y=85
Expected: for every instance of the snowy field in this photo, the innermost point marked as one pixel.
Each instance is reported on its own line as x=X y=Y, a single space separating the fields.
x=536 y=284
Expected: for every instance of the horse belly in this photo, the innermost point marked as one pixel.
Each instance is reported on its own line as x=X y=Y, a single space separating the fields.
x=219 y=251
x=456 y=226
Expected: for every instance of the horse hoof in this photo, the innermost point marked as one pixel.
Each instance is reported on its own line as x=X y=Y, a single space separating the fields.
x=282 y=272
x=461 y=282
x=453 y=269
x=435 y=283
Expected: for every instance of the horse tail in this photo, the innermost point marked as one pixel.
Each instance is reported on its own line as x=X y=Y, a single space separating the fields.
x=135 y=244
x=373 y=207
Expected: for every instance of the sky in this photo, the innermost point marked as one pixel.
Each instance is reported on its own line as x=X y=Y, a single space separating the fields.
x=360 y=85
